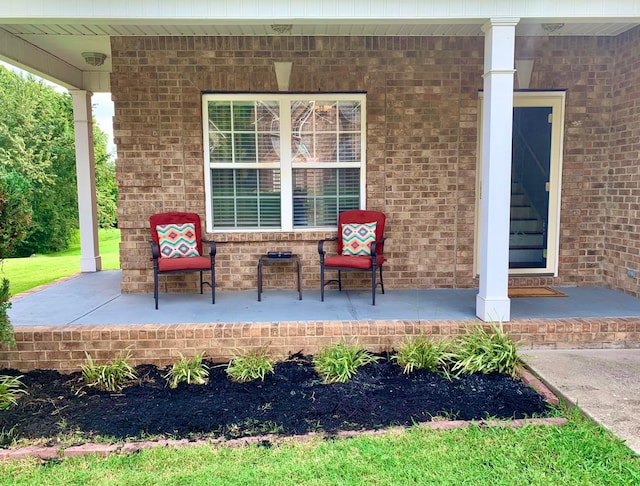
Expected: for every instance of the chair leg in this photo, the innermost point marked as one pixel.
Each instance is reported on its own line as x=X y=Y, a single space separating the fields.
x=155 y=286
x=321 y=283
x=373 y=286
x=339 y=280
x=213 y=285
x=201 y=282
x=381 y=282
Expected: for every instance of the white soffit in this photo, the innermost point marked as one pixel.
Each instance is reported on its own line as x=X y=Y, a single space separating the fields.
x=166 y=11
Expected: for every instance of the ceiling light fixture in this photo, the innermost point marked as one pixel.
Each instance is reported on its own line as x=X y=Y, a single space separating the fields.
x=94 y=59
x=282 y=28
x=551 y=28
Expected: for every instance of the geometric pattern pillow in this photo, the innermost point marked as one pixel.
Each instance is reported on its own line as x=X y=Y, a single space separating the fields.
x=177 y=240
x=357 y=238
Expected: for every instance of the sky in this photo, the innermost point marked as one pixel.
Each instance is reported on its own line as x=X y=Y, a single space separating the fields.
x=101 y=102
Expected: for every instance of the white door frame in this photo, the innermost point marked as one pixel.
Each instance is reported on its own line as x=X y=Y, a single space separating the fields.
x=555 y=100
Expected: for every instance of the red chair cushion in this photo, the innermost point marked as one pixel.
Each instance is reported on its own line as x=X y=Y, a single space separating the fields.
x=358 y=262
x=184 y=263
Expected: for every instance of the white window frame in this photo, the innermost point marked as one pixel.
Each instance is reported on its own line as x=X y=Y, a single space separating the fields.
x=286 y=165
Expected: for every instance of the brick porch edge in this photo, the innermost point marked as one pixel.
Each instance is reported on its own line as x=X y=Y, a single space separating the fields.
x=63 y=347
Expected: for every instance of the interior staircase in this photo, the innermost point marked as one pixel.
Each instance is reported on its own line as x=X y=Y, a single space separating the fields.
x=527 y=235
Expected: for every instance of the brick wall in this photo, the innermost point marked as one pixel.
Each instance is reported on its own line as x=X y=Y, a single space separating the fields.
x=63 y=348
x=622 y=206
x=422 y=112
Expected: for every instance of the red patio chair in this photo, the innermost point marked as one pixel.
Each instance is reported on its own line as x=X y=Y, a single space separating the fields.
x=176 y=246
x=359 y=248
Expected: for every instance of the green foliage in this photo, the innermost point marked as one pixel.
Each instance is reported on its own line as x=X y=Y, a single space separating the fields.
x=37 y=143
x=15 y=219
x=6 y=329
x=10 y=389
x=106 y=188
x=190 y=371
x=423 y=354
x=251 y=366
x=480 y=351
x=15 y=211
x=109 y=377
x=340 y=361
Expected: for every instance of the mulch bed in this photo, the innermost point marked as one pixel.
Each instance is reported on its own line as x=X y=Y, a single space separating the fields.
x=292 y=401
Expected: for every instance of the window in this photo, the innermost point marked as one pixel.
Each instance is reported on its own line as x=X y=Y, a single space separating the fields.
x=282 y=162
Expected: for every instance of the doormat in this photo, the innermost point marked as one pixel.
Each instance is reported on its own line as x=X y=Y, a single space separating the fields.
x=515 y=292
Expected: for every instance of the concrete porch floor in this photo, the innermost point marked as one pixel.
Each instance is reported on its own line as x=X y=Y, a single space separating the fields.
x=95 y=298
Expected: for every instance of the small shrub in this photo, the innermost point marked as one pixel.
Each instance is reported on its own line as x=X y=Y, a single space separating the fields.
x=423 y=354
x=10 y=389
x=251 y=366
x=190 y=371
x=340 y=361
x=7 y=437
x=480 y=351
x=108 y=377
x=6 y=329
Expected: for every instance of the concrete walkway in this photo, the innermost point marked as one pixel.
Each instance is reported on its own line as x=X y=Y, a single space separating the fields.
x=604 y=383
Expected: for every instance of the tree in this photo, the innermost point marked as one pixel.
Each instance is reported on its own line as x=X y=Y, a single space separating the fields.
x=15 y=219
x=106 y=187
x=37 y=142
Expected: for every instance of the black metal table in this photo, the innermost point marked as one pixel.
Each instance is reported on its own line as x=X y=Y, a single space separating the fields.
x=268 y=260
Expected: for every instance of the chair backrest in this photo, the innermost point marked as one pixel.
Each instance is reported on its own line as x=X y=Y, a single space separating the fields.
x=360 y=216
x=176 y=218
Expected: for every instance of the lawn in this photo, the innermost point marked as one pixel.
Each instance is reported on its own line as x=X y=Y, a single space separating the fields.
x=579 y=453
x=26 y=273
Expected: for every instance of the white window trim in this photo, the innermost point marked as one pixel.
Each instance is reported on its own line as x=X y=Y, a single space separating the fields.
x=555 y=99
x=286 y=165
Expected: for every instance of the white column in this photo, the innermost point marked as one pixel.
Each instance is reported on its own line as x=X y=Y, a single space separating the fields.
x=492 y=301
x=90 y=260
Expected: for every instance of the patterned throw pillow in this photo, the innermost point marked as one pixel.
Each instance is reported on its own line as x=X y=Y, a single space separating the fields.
x=177 y=240
x=357 y=238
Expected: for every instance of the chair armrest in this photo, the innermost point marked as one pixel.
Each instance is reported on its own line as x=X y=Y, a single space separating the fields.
x=322 y=242
x=212 y=246
x=155 y=249
x=375 y=244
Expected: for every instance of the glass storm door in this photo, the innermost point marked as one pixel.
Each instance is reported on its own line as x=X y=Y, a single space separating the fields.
x=536 y=168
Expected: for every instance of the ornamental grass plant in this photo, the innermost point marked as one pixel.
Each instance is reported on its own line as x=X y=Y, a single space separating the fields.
x=338 y=363
x=486 y=351
x=190 y=371
x=420 y=353
x=10 y=390
x=108 y=377
x=250 y=366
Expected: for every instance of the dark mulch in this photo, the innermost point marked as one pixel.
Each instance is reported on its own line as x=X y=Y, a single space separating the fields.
x=291 y=401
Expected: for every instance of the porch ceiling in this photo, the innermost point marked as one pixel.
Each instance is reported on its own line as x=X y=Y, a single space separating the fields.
x=57 y=44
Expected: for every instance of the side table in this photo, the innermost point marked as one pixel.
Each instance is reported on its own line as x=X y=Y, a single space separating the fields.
x=268 y=260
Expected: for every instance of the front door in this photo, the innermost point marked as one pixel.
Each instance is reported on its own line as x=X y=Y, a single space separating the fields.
x=536 y=168
x=530 y=185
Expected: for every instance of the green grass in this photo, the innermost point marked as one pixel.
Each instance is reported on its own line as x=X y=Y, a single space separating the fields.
x=26 y=273
x=579 y=453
